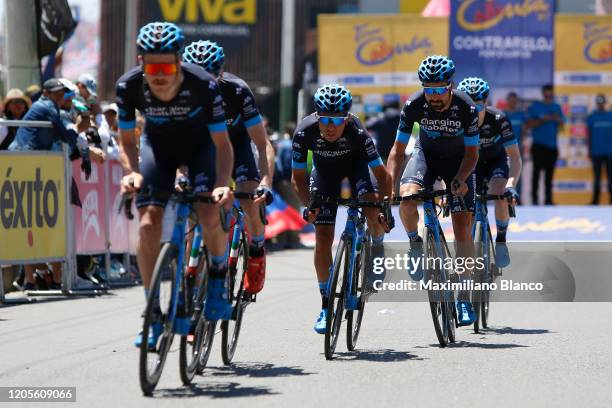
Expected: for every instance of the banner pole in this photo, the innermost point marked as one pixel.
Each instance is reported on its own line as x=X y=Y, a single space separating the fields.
x=69 y=270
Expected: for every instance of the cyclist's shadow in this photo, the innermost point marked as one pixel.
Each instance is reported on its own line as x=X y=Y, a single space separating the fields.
x=255 y=370
x=381 y=355
x=214 y=390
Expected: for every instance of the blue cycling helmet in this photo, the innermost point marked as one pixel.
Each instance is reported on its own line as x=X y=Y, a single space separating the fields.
x=160 y=38
x=477 y=88
x=207 y=54
x=436 y=68
x=333 y=98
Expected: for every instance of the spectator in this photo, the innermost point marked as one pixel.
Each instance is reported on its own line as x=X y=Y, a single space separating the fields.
x=383 y=127
x=517 y=118
x=33 y=92
x=110 y=112
x=88 y=92
x=46 y=108
x=544 y=118
x=16 y=104
x=599 y=133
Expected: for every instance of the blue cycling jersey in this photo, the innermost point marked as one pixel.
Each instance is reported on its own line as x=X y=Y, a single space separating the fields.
x=442 y=134
x=495 y=135
x=599 y=124
x=241 y=111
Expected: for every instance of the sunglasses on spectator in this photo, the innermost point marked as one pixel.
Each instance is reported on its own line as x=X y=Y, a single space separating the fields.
x=336 y=120
x=164 y=69
x=436 y=90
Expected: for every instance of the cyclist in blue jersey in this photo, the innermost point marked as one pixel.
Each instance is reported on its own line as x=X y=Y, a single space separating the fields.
x=499 y=159
x=447 y=148
x=599 y=132
x=341 y=147
x=184 y=125
x=245 y=125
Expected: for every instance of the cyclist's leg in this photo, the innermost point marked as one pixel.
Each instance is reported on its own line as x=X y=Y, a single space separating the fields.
x=247 y=180
x=158 y=172
x=413 y=179
x=497 y=185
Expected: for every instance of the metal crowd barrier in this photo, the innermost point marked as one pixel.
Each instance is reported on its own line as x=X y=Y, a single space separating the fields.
x=95 y=229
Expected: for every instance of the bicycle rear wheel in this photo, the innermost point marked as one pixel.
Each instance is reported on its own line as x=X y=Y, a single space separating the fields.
x=489 y=276
x=438 y=302
x=335 y=305
x=478 y=275
x=355 y=317
x=230 y=329
x=159 y=304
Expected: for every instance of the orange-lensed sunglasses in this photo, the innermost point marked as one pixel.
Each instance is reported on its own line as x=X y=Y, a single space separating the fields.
x=164 y=69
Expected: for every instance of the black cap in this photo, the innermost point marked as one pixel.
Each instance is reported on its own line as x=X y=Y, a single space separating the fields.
x=53 y=84
x=600 y=99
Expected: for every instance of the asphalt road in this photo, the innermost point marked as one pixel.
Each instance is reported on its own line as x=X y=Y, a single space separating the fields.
x=535 y=355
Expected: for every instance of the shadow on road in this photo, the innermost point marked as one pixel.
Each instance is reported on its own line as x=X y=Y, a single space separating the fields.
x=214 y=390
x=512 y=330
x=382 y=355
x=491 y=346
x=257 y=370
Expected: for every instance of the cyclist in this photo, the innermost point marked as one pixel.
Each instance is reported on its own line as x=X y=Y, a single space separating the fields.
x=498 y=147
x=447 y=148
x=185 y=125
x=245 y=125
x=341 y=148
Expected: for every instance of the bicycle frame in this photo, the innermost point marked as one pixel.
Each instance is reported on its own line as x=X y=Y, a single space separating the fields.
x=238 y=225
x=355 y=231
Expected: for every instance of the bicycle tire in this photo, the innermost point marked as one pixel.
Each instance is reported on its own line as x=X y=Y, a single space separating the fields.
x=452 y=321
x=164 y=272
x=437 y=303
x=478 y=275
x=335 y=305
x=354 y=318
x=486 y=304
x=230 y=332
x=194 y=290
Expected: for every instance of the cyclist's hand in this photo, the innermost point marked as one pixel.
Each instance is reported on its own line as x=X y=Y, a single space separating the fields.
x=310 y=216
x=131 y=182
x=458 y=187
x=222 y=195
x=263 y=194
x=181 y=183
x=513 y=194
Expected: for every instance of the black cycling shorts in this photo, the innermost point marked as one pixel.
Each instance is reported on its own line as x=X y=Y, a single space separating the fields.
x=490 y=169
x=161 y=156
x=245 y=167
x=328 y=183
x=423 y=171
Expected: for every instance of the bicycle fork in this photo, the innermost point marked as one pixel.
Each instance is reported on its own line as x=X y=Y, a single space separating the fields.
x=177 y=315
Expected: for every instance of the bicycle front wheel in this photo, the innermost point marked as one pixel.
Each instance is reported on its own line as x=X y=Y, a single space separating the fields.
x=479 y=273
x=335 y=305
x=355 y=317
x=230 y=329
x=157 y=314
x=441 y=312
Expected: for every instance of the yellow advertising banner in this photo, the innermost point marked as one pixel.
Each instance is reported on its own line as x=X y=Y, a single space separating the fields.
x=377 y=54
x=32 y=206
x=583 y=69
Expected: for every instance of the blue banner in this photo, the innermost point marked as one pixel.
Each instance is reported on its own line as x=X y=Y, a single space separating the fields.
x=509 y=43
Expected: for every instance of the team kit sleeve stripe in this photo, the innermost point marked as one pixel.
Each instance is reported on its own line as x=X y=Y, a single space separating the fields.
x=402 y=137
x=127 y=124
x=298 y=165
x=510 y=143
x=253 y=121
x=376 y=162
x=471 y=140
x=217 y=127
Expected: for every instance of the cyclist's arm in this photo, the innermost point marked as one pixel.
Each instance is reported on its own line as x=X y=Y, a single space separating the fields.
x=471 y=141
x=258 y=135
x=224 y=157
x=512 y=150
x=384 y=180
x=298 y=179
x=299 y=166
x=516 y=165
x=128 y=150
x=376 y=165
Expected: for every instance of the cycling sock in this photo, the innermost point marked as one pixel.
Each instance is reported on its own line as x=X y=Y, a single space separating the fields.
x=378 y=241
x=146 y=293
x=218 y=267
x=256 y=249
x=323 y=292
x=413 y=236
x=502 y=228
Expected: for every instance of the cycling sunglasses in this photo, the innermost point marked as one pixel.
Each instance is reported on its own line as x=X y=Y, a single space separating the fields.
x=336 y=120
x=436 y=90
x=164 y=69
